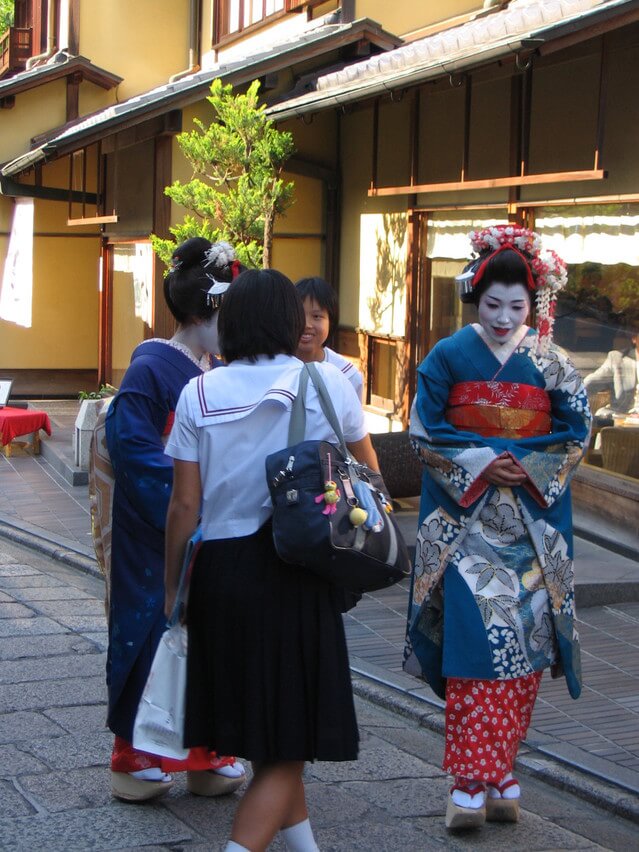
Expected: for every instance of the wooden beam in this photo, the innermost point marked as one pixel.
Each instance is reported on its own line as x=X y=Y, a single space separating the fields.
x=624 y=198
x=601 y=108
x=468 y=99
x=46 y=193
x=74 y=27
x=375 y=144
x=492 y=183
x=586 y=33
x=163 y=320
x=73 y=96
x=92 y=220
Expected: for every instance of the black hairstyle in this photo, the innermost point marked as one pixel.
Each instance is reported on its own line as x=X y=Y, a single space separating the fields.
x=262 y=314
x=190 y=278
x=507 y=267
x=321 y=292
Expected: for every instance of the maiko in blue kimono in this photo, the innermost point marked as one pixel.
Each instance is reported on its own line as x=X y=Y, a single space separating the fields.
x=500 y=421
x=137 y=424
x=508 y=607
x=138 y=419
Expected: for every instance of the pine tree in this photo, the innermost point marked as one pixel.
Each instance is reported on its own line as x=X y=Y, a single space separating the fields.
x=236 y=191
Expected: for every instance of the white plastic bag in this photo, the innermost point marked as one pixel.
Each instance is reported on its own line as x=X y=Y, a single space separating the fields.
x=159 y=723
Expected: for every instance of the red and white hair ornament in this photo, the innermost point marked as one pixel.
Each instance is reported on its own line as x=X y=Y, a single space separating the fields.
x=546 y=275
x=222 y=255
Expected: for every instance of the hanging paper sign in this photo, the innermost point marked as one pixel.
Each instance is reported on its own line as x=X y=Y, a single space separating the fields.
x=17 y=279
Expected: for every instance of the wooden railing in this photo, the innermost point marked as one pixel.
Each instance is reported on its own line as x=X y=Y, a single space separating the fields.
x=15 y=49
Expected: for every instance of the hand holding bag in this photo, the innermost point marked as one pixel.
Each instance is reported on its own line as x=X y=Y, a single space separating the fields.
x=159 y=722
x=327 y=507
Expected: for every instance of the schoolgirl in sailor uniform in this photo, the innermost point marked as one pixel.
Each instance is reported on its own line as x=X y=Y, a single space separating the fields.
x=268 y=677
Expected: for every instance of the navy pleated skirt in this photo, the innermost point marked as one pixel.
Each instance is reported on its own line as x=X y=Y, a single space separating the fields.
x=268 y=676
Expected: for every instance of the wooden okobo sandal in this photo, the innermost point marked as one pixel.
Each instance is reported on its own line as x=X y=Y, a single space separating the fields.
x=499 y=809
x=459 y=817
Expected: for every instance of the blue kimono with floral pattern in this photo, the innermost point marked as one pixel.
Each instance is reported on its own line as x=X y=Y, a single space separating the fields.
x=139 y=416
x=492 y=594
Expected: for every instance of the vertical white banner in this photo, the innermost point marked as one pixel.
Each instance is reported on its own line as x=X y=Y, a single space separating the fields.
x=17 y=279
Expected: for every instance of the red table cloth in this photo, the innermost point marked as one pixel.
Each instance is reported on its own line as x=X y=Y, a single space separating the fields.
x=21 y=421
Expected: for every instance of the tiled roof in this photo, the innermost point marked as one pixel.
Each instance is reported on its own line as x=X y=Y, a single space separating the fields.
x=191 y=88
x=483 y=38
x=60 y=65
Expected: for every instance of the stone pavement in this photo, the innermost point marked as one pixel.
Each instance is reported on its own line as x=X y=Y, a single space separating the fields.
x=598 y=734
x=54 y=750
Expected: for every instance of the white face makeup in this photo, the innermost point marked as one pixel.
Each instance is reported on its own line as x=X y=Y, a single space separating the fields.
x=503 y=309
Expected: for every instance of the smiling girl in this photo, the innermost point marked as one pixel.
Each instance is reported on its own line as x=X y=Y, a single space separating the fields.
x=321 y=309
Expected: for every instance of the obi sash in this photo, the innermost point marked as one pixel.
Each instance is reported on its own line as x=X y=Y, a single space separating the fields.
x=499 y=409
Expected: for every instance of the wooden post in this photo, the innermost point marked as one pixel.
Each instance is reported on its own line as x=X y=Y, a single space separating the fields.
x=163 y=322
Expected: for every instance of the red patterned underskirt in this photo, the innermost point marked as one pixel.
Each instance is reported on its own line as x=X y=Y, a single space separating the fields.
x=499 y=409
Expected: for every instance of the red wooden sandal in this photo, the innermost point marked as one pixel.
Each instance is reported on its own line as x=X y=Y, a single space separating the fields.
x=499 y=809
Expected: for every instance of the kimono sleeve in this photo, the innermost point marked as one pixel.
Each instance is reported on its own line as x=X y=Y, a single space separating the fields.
x=455 y=460
x=134 y=428
x=183 y=443
x=550 y=461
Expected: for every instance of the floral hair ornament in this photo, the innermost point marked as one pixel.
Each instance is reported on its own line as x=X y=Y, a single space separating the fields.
x=546 y=276
x=222 y=254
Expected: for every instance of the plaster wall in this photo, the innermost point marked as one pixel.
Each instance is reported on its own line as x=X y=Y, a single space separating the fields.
x=93 y=98
x=64 y=327
x=64 y=331
x=34 y=112
x=402 y=18
x=144 y=42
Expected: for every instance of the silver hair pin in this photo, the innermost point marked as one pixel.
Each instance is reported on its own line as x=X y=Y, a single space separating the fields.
x=464 y=280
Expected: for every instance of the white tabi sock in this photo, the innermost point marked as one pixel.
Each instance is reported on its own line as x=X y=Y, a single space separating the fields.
x=299 y=838
x=232 y=846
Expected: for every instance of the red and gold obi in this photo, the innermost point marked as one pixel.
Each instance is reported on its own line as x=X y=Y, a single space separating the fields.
x=499 y=409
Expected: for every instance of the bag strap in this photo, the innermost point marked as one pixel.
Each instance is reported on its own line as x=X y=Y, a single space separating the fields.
x=326 y=404
x=192 y=546
x=297 y=425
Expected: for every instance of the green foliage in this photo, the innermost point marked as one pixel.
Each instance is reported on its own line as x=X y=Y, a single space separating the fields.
x=6 y=15
x=236 y=190
x=105 y=390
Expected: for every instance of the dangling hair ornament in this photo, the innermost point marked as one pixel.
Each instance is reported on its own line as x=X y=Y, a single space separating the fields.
x=222 y=256
x=547 y=272
x=176 y=263
x=216 y=291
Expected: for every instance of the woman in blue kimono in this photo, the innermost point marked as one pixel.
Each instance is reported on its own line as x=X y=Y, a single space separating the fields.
x=501 y=421
x=137 y=425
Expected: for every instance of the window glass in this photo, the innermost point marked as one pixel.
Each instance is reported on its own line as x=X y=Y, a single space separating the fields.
x=237 y=15
x=383 y=366
x=448 y=248
x=233 y=16
x=597 y=319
